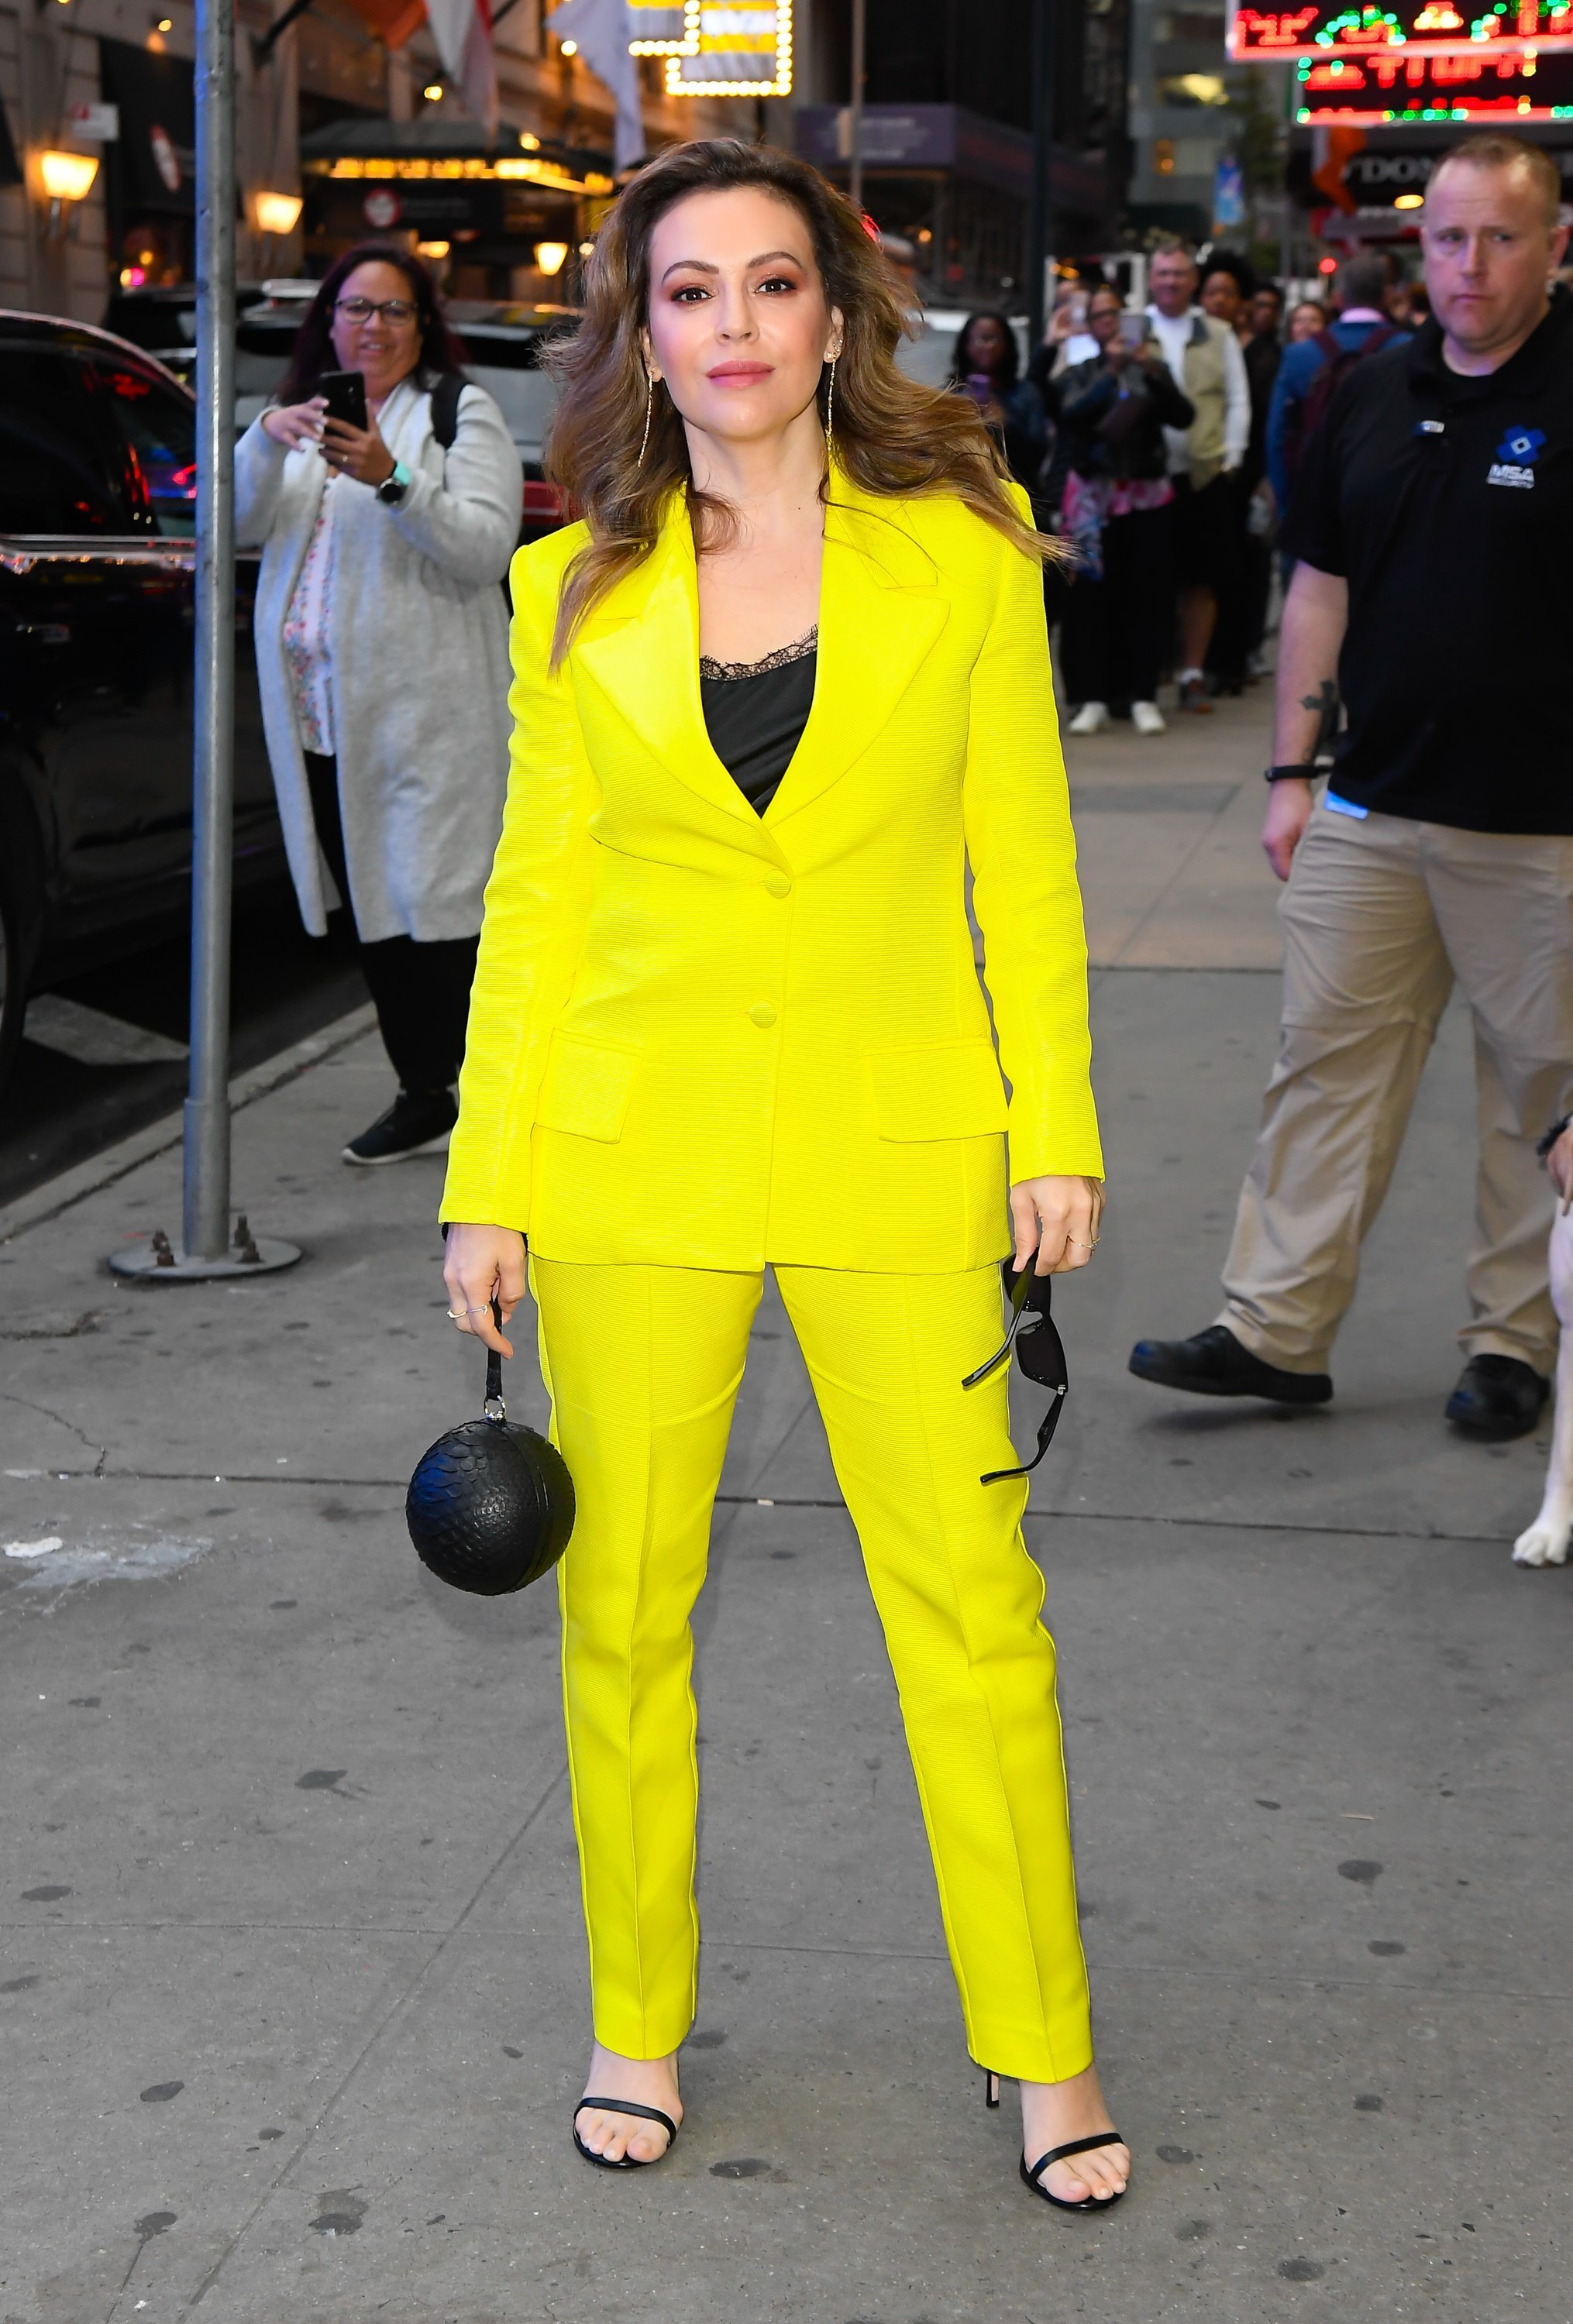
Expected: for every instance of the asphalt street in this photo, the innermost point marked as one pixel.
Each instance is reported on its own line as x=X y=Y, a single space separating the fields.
x=292 y=1968
x=103 y=1053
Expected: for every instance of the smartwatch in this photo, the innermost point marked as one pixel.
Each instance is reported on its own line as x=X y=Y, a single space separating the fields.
x=393 y=489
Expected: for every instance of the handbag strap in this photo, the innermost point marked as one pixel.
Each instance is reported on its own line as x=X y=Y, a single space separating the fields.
x=493 y=1409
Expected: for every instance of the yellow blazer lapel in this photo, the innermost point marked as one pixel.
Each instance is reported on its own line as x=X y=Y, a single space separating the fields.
x=881 y=609
x=642 y=649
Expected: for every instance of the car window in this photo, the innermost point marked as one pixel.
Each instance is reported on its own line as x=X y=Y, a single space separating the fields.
x=158 y=428
x=54 y=477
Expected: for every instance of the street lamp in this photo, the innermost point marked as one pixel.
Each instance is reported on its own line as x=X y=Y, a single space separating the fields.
x=277 y=214
x=65 y=177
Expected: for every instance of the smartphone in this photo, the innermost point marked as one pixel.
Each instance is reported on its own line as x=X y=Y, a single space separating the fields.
x=1135 y=330
x=346 y=394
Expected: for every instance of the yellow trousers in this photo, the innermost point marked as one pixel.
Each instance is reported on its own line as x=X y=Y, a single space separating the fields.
x=642 y=1365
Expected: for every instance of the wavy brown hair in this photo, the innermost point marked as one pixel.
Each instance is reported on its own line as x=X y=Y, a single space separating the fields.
x=897 y=438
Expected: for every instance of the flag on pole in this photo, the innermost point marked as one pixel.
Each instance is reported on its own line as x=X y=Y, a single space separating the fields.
x=393 y=21
x=602 y=30
x=462 y=29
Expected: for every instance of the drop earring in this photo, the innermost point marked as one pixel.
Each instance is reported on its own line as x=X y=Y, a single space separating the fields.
x=649 y=406
x=830 y=407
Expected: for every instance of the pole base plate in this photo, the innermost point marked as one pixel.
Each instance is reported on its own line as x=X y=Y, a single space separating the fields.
x=150 y=1265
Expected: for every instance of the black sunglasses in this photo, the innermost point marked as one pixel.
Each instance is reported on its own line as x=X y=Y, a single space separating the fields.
x=1034 y=1337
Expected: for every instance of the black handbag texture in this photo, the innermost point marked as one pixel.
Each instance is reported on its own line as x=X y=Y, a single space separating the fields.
x=491 y=1504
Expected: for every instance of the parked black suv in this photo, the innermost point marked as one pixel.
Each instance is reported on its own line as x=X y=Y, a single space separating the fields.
x=98 y=498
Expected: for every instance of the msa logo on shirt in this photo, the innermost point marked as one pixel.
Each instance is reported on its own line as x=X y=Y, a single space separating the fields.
x=1514 y=465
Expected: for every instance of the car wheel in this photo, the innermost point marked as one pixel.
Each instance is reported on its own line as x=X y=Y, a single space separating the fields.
x=12 y=979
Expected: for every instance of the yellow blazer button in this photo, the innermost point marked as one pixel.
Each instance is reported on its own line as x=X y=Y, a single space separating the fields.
x=776 y=883
x=762 y=1014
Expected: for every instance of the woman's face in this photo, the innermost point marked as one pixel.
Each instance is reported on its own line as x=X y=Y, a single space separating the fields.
x=739 y=324
x=386 y=349
x=1103 y=317
x=986 y=342
x=1220 y=299
x=1306 y=321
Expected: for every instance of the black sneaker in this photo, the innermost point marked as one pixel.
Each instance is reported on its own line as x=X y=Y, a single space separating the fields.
x=1497 y=1397
x=1214 y=1363
x=411 y=1125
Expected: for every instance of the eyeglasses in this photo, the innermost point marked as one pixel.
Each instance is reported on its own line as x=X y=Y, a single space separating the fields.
x=361 y=310
x=1033 y=1337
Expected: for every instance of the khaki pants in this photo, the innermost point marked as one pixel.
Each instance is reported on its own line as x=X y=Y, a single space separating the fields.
x=1378 y=919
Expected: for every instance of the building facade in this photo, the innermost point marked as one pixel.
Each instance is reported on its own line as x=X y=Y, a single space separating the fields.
x=947 y=148
x=327 y=93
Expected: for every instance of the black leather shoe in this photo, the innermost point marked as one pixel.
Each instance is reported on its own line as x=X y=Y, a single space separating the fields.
x=1214 y=1363
x=1497 y=1397
x=412 y=1124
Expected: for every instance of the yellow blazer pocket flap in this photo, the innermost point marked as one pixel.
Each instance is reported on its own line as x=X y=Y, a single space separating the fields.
x=585 y=1089
x=942 y=1089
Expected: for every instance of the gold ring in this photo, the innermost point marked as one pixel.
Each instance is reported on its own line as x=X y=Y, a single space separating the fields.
x=1077 y=1243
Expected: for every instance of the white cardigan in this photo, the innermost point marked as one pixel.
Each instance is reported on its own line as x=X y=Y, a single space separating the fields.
x=420 y=642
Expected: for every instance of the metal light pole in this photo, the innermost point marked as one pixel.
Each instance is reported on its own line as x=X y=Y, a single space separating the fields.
x=205 y=1241
x=206 y=1207
x=854 y=110
x=1042 y=162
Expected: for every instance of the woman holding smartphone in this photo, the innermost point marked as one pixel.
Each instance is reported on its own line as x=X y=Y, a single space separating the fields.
x=1117 y=515
x=787 y=677
x=987 y=365
x=384 y=493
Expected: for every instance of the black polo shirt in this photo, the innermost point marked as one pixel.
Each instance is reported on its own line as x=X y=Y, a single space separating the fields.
x=1447 y=502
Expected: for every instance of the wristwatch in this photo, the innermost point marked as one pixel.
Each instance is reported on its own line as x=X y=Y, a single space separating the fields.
x=1306 y=773
x=393 y=489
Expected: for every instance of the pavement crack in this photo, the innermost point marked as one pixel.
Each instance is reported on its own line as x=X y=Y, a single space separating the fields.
x=9 y=1396
x=399 y=2006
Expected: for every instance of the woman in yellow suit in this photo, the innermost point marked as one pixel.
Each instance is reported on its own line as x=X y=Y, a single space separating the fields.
x=784 y=682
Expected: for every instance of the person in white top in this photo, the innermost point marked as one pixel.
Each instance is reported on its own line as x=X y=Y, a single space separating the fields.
x=1207 y=366
x=382 y=648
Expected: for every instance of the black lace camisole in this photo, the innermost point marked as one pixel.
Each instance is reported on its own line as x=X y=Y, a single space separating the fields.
x=755 y=712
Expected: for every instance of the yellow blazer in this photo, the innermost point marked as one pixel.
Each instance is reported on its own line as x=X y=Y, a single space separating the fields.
x=705 y=1038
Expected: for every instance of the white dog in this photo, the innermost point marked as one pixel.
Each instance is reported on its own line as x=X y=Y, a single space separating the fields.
x=1545 y=1543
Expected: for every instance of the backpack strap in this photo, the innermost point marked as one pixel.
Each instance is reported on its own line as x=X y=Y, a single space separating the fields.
x=445 y=398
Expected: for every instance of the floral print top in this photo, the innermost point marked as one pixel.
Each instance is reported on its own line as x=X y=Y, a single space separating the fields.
x=309 y=635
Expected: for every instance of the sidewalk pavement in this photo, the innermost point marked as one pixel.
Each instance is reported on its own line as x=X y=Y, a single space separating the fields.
x=292 y=1965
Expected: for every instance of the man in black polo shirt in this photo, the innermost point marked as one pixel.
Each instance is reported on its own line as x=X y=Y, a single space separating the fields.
x=1433 y=522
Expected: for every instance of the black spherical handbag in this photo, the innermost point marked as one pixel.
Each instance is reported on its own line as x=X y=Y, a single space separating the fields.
x=491 y=1505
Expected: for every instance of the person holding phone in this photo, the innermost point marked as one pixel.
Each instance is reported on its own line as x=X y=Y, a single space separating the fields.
x=1117 y=513
x=787 y=676
x=385 y=495
x=987 y=365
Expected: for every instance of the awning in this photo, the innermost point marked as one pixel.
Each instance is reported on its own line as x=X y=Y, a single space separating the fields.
x=153 y=166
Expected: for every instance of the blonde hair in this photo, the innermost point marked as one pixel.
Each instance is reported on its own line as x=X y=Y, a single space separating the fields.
x=894 y=438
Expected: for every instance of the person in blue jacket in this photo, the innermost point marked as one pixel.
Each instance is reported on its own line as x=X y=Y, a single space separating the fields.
x=1360 y=289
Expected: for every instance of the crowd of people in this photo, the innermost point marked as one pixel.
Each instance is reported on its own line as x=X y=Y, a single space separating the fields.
x=1161 y=443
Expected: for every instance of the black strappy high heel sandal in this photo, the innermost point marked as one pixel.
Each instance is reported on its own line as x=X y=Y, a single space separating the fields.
x=1033 y=2178
x=625 y=2105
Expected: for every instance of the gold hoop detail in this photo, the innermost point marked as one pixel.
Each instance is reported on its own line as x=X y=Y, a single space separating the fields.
x=649 y=406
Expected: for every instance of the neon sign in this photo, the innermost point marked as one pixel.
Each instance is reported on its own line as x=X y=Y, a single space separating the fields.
x=733 y=50
x=1392 y=88
x=1430 y=27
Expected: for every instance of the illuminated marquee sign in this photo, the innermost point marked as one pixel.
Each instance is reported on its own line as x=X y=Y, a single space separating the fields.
x=1389 y=89
x=1434 y=28
x=732 y=50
